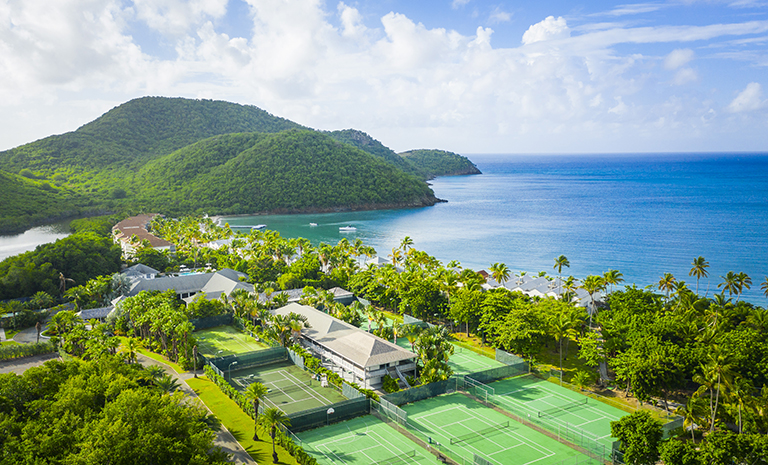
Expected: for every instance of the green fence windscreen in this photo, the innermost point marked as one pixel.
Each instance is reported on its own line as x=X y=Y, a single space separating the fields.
x=250 y=359
x=325 y=415
x=211 y=321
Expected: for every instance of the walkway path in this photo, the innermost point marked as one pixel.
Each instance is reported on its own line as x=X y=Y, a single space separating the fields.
x=224 y=438
x=29 y=335
x=2 y=334
x=20 y=365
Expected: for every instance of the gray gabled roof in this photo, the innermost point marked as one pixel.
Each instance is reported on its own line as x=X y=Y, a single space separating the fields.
x=361 y=348
x=224 y=280
x=97 y=313
x=140 y=270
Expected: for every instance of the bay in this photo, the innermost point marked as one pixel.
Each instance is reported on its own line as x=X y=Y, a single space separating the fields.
x=644 y=215
x=16 y=244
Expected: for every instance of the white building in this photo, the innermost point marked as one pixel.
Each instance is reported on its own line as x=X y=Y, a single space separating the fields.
x=361 y=357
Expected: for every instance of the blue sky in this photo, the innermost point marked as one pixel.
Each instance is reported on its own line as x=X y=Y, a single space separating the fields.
x=470 y=76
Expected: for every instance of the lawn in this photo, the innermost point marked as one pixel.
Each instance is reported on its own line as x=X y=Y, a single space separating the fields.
x=226 y=340
x=238 y=423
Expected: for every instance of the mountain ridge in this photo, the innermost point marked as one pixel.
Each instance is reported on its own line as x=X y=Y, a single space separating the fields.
x=133 y=158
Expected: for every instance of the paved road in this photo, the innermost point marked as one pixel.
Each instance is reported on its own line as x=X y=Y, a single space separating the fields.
x=224 y=438
x=29 y=335
x=19 y=366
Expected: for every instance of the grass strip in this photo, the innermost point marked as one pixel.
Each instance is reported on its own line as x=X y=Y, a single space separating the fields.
x=161 y=359
x=238 y=423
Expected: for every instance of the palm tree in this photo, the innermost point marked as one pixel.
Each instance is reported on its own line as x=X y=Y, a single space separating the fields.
x=273 y=418
x=739 y=394
x=613 y=277
x=699 y=270
x=167 y=384
x=667 y=284
x=764 y=286
x=500 y=273
x=592 y=284
x=254 y=393
x=730 y=283
x=691 y=413
x=63 y=282
x=744 y=281
x=563 y=325
x=560 y=262
x=714 y=373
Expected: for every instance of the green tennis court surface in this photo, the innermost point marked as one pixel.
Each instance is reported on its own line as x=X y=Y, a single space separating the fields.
x=556 y=405
x=466 y=427
x=291 y=389
x=464 y=361
x=362 y=441
x=225 y=340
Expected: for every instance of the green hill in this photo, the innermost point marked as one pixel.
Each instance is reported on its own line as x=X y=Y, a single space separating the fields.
x=368 y=144
x=180 y=156
x=291 y=171
x=440 y=163
x=27 y=202
x=137 y=131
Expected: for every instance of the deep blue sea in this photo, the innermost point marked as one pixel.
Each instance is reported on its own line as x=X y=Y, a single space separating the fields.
x=643 y=215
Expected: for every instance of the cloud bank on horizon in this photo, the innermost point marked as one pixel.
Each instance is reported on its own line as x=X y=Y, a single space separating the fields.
x=470 y=76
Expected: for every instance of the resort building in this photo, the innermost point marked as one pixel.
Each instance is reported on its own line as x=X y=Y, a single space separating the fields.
x=133 y=231
x=543 y=287
x=213 y=284
x=358 y=356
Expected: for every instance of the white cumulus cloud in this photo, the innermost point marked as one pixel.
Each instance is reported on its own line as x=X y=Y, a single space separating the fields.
x=749 y=99
x=678 y=58
x=548 y=29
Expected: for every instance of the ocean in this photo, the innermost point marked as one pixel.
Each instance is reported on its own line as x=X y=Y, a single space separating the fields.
x=644 y=215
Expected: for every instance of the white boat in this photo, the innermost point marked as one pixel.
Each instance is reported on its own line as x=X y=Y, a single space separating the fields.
x=347 y=228
x=313 y=224
x=259 y=226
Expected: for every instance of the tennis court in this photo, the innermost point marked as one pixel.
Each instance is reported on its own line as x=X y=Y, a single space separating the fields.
x=291 y=389
x=363 y=441
x=225 y=340
x=556 y=405
x=468 y=428
x=464 y=361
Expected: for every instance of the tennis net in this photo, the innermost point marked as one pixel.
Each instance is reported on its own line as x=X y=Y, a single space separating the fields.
x=397 y=458
x=482 y=432
x=562 y=408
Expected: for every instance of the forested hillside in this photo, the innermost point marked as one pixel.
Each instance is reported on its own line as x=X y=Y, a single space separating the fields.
x=28 y=201
x=439 y=163
x=164 y=154
x=138 y=131
x=368 y=144
x=291 y=171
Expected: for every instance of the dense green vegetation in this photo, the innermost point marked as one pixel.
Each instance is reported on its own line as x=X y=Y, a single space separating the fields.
x=368 y=144
x=291 y=171
x=433 y=163
x=96 y=412
x=181 y=156
x=27 y=202
x=53 y=268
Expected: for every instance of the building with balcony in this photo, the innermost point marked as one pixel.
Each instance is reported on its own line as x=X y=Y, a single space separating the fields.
x=358 y=356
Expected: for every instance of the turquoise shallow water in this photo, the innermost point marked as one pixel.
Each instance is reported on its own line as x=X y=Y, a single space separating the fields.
x=643 y=215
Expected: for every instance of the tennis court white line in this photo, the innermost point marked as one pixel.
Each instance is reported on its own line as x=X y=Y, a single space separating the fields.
x=293 y=381
x=391 y=448
x=312 y=393
x=512 y=433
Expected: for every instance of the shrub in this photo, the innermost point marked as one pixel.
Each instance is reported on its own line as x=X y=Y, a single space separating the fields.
x=390 y=384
